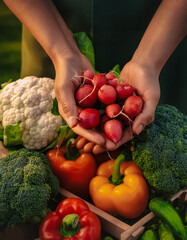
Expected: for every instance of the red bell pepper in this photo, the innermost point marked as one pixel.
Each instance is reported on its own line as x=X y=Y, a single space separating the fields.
x=73 y=169
x=72 y=220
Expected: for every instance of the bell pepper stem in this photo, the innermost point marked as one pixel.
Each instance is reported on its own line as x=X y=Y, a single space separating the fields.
x=72 y=153
x=116 y=168
x=108 y=238
x=70 y=225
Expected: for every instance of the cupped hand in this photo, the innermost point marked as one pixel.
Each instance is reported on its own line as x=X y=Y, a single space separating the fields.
x=145 y=81
x=146 y=84
x=67 y=80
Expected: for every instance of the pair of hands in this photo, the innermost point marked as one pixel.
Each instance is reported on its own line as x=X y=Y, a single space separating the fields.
x=163 y=34
x=142 y=78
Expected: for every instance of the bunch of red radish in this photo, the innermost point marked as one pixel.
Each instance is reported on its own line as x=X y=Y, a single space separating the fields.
x=107 y=104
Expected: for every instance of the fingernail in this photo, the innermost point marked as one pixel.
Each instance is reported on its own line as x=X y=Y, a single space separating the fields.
x=72 y=121
x=139 y=129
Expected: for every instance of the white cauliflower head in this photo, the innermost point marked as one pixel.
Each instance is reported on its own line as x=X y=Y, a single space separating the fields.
x=30 y=101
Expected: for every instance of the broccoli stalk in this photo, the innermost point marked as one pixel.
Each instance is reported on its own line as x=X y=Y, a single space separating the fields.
x=26 y=186
x=161 y=151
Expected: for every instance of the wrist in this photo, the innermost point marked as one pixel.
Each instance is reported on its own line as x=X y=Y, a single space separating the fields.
x=147 y=61
x=67 y=57
x=65 y=49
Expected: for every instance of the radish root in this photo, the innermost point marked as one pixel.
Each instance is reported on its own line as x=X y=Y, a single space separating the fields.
x=94 y=87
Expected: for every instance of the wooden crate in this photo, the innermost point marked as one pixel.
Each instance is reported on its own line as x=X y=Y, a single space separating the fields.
x=110 y=224
x=118 y=228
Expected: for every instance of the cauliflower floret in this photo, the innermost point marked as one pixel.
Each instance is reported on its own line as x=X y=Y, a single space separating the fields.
x=30 y=100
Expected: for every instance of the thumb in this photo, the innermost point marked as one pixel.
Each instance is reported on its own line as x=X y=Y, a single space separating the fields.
x=144 y=118
x=67 y=106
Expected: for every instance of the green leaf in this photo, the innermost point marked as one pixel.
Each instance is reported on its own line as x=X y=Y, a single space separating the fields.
x=85 y=46
x=108 y=238
x=1 y=134
x=64 y=134
x=116 y=70
x=54 y=109
x=6 y=83
x=12 y=135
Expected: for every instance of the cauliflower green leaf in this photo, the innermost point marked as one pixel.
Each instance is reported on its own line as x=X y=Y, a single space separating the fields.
x=12 y=135
x=85 y=46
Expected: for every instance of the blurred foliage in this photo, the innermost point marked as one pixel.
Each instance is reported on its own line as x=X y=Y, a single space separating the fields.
x=10 y=45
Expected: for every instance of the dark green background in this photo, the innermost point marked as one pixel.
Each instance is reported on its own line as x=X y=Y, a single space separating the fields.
x=173 y=78
x=10 y=45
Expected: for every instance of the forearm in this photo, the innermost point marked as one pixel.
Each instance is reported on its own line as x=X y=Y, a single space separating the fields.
x=47 y=26
x=165 y=31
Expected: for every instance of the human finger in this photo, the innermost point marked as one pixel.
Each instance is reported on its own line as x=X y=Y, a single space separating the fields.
x=97 y=149
x=90 y=135
x=110 y=145
x=145 y=117
x=89 y=147
x=81 y=142
x=126 y=137
x=67 y=105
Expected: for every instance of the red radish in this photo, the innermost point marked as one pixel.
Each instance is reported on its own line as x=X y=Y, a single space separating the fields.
x=89 y=118
x=88 y=76
x=113 y=110
x=99 y=80
x=113 y=130
x=124 y=91
x=126 y=119
x=133 y=106
x=107 y=94
x=113 y=82
x=110 y=76
x=86 y=96
x=104 y=119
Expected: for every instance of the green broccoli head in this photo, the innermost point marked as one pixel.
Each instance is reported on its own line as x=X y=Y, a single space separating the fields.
x=31 y=199
x=5 y=213
x=161 y=151
x=26 y=185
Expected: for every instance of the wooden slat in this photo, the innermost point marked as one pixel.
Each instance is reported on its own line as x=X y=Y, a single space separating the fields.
x=135 y=227
x=177 y=195
x=135 y=235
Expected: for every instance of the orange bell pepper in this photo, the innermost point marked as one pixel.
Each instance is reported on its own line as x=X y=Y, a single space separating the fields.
x=73 y=169
x=120 y=188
